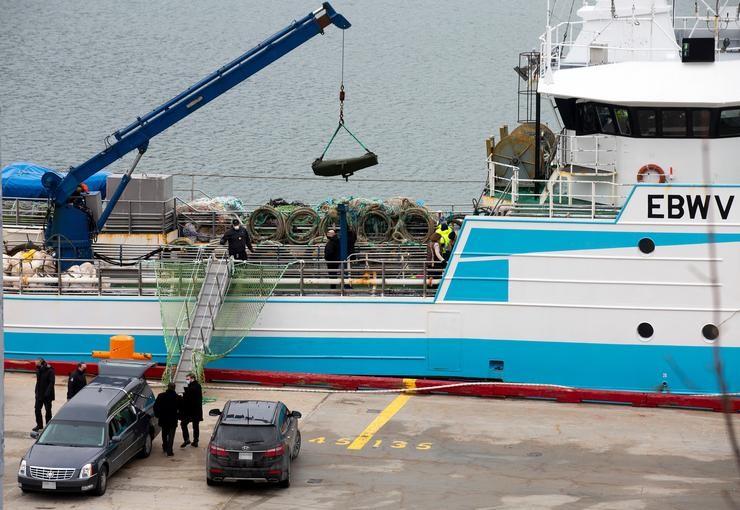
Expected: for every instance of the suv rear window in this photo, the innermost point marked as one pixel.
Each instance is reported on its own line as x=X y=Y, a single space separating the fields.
x=239 y=434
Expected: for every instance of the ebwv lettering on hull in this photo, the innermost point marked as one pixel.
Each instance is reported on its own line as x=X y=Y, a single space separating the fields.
x=693 y=206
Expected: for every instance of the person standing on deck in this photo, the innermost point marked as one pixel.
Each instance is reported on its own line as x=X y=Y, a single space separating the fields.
x=44 y=392
x=332 y=254
x=165 y=409
x=435 y=259
x=238 y=239
x=77 y=380
x=191 y=410
x=444 y=231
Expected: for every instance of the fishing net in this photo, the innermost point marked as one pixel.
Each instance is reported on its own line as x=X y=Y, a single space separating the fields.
x=178 y=284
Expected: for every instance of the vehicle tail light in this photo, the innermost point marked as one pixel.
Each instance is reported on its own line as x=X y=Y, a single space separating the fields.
x=274 y=472
x=217 y=451
x=216 y=470
x=275 y=452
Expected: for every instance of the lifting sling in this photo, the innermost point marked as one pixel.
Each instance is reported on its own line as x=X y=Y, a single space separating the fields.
x=347 y=166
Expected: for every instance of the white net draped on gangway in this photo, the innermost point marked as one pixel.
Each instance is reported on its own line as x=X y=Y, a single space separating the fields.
x=178 y=284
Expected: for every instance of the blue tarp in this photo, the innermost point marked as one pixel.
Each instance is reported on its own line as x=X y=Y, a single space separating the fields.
x=23 y=180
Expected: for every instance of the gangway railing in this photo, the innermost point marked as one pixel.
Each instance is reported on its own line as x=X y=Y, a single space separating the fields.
x=212 y=293
x=202 y=323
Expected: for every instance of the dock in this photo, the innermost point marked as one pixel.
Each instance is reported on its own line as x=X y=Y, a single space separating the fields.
x=409 y=450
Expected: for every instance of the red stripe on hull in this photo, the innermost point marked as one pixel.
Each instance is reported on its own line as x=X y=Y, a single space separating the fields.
x=496 y=390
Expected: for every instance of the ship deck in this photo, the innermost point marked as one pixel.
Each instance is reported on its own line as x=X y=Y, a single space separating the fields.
x=433 y=451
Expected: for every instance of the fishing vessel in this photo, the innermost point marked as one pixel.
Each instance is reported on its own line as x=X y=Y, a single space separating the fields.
x=603 y=253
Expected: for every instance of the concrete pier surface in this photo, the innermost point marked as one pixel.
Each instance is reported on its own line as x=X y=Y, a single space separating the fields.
x=385 y=451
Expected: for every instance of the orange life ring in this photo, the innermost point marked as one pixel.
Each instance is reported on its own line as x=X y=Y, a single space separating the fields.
x=651 y=168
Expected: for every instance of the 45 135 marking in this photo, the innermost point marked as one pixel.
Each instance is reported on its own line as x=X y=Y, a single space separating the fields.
x=377 y=443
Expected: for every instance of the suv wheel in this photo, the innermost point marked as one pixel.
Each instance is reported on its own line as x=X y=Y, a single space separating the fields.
x=285 y=482
x=102 y=481
x=146 y=450
x=297 y=446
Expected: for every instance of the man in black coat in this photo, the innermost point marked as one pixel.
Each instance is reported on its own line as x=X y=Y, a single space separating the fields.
x=238 y=239
x=44 y=392
x=77 y=380
x=165 y=409
x=332 y=254
x=191 y=410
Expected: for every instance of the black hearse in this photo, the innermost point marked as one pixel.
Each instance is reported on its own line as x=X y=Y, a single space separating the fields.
x=93 y=435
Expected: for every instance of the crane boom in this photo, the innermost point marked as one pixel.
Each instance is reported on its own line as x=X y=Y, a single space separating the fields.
x=72 y=233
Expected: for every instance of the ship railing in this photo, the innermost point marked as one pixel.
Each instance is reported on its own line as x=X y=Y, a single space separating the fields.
x=360 y=275
x=122 y=254
x=567 y=193
x=142 y=216
x=597 y=152
x=725 y=28
x=503 y=180
x=560 y=40
x=24 y=212
x=129 y=216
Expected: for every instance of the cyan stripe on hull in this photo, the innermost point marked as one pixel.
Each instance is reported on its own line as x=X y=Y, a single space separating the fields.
x=597 y=366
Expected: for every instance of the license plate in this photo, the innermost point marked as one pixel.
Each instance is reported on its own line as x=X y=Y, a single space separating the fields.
x=245 y=455
x=49 y=485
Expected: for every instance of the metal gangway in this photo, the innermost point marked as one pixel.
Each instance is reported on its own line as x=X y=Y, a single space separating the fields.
x=201 y=322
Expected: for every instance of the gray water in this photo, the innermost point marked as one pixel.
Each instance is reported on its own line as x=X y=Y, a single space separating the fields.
x=427 y=82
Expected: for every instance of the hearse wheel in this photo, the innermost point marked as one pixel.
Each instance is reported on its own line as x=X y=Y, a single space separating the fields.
x=146 y=450
x=102 y=481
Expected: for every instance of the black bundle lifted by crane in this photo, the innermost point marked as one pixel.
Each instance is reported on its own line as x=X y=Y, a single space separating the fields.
x=343 y=167
x=347 y=166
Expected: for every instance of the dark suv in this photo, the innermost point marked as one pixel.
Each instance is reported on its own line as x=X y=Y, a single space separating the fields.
x=253 y=440
x=102 y=427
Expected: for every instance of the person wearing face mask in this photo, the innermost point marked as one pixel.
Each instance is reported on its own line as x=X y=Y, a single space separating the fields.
x=238 y=240
x=191 y=410
x=77 y=380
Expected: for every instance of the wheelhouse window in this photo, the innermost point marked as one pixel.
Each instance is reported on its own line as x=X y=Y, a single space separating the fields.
x=605 y=120
x=673 y=123
x=623 y=121
x=587 y=118
x=729 y=122
x=701 y=120
x=646 y=120
x=588 y=123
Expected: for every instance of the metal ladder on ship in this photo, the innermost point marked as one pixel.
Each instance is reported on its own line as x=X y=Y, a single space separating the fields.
x=202 y=322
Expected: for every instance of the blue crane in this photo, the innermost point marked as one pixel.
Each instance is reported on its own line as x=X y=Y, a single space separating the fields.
x=69 y=227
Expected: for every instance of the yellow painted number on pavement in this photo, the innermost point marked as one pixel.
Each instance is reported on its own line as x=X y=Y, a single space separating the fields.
x=423 y=446
x=318 y=440
x=343 y=441
x=399 y=444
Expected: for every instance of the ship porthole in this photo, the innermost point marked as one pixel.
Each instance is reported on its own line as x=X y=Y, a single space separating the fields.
x=710 y=332
x=646 y=245
x=645 y=330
